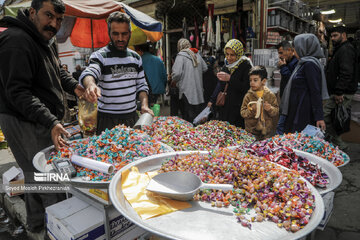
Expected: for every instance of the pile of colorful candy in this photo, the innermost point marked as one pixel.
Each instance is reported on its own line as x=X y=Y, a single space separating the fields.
x=275 y=193
x=287 y=158
x=118 y=146
x=173 y=131
x=222 y=134
x=181 y=135
x=313 y=145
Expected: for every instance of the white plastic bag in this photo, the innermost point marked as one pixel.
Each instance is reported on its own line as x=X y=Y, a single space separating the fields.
x=313 y=131
x=204 y=114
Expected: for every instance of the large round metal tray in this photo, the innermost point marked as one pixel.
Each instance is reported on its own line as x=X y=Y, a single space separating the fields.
x=334 y=174
x=40 y=163
x=202 y=221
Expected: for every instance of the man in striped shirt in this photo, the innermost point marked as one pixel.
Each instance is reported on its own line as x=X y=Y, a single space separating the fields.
x=115 y=77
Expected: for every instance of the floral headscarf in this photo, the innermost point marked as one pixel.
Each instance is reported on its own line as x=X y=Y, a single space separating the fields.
x=238 y=48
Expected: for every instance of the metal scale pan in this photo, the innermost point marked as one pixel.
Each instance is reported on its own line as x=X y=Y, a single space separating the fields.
x=40 y=163
x=202 y=221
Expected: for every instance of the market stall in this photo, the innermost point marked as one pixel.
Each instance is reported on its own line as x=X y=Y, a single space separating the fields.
x=127 y=148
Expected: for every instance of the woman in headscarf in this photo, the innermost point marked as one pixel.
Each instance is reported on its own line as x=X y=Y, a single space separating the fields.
x=187 y=72
x=301 y=103
x=235 y=73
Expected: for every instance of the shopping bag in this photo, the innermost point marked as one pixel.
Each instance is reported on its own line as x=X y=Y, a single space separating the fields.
x=313 y=131
x=156 y=110
x=341 y=117
x=203 y=115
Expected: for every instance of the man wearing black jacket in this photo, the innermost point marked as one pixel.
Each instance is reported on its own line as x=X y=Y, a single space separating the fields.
x=32 y=86
x=287 y=63
x=341 y=80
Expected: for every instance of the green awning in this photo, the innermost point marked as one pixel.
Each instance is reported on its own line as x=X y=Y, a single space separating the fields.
x=11 y=10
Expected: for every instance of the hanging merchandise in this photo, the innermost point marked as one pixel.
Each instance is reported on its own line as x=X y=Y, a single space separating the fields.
x=250 y=33
x=196 y=34
x=225 y=24
x=204 y=31
x=159 y=49
x=233 y=30
x=192 y=37
x=218 y=35
x=226 y=37
x=184 y=28
x=210 y=30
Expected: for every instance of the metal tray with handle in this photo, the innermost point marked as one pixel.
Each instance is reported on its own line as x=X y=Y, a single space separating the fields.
x=202 y=221
x=40 y=163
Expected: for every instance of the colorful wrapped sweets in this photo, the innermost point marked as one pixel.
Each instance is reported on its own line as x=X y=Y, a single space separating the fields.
x=287 y=158
x=309 y=144
x=181 y=135
x=275 y=193
x=118 y=146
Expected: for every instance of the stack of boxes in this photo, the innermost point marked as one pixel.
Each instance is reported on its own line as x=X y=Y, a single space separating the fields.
x=274 y=38
x=265 y=57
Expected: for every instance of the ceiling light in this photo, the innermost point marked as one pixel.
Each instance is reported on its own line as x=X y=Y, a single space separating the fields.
x=335 y=21
x=332 y=11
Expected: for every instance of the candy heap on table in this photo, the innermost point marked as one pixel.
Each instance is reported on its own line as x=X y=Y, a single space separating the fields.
x=118 y=146
x=314 y=145
x=275 y=193
x=289 y=159
x=181 y=135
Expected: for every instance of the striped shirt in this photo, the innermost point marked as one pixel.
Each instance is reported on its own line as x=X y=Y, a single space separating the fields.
x=120 y=76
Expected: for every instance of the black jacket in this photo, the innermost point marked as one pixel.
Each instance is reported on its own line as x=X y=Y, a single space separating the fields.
x=239 y=84
x=31 y=82
x=340 y=71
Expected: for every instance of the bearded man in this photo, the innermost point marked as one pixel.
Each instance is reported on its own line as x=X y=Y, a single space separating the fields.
x=341 y=81
x=32 y=93
x=115 y=77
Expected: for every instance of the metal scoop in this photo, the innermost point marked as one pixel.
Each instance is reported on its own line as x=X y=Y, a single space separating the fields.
x=181 y=185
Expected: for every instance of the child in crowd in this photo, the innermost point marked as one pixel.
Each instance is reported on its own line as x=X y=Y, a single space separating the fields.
x=259 y=108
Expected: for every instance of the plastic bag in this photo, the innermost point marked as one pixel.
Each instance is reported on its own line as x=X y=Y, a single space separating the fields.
x=87 y=117
x=341 y=117
x=202 y=116
x=156 y=110
x=313 y=131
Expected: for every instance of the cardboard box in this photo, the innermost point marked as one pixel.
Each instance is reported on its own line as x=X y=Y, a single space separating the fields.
x=100 y=195
x=75 y=219
x=329 y=204
x=12 y=180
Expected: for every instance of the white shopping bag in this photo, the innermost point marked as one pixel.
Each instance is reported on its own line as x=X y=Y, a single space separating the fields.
x=313 y=131
x=204 y=114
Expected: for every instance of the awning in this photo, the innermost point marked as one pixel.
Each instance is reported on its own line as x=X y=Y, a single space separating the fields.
x=95 y=9
x=143 y=27
x=11 y=10
x=89 y=28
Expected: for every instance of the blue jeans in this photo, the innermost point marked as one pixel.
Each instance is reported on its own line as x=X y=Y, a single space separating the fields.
x=280 y=128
